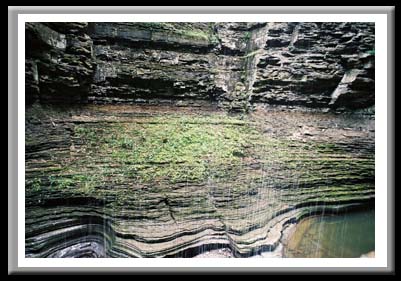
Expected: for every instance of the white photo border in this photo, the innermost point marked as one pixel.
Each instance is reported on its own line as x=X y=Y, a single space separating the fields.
x=380 y=259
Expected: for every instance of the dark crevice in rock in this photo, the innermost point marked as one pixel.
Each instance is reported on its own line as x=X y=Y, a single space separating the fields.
x=73 y=201
x=165 y=46
x=192 y=252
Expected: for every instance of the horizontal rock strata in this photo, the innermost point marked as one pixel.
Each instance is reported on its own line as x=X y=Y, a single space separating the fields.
x=138 y=181
x=234 y=65
x=58 y=66
x=317 y=65
x=169 y=171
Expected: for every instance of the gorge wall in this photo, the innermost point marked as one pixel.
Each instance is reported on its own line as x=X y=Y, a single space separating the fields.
x=234 y=65
x=131 y=149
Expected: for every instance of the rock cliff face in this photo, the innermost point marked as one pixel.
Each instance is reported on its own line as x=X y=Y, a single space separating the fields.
x=129 y=181
x=58 y=66
x=233 y=65
x=317 y=65
x=138 y=180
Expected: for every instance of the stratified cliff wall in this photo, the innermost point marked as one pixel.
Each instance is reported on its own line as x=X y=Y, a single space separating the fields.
x=59 y=65
x=317 y=65
x=233 y=65
x=169 y=171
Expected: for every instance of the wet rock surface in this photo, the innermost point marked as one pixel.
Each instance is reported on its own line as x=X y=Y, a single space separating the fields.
x=160 y=181
x=193 y=139
x=59 y=66
x=234 y=65
x=317 y=65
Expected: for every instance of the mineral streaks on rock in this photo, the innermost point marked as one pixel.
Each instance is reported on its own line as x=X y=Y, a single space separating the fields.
x=137 y=181
x=58 y=63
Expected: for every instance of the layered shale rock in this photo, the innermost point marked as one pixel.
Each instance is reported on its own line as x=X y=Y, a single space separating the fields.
x=169 y=171
x=181 y=63
x=317 y=65
x=233 y=65
x=128 y=181
x=58 y=66
x=140 y=62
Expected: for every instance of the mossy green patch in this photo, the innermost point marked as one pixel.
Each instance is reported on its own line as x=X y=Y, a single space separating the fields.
x=160 y=153
x=174 y=148
x=187 y=31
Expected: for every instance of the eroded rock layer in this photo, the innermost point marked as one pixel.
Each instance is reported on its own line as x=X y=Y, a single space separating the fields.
x=317 y=65
x=139 y=181
x=58 y=65
x=235 y=65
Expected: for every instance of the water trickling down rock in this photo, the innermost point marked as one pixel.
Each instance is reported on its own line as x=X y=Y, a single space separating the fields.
x=169 y=172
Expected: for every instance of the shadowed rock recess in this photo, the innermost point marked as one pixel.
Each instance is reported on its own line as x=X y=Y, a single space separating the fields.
x=176 y=139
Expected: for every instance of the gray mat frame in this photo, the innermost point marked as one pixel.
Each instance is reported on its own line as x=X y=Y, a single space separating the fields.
x=13 y=137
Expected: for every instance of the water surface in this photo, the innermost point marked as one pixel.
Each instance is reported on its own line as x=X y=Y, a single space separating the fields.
x=340 y=236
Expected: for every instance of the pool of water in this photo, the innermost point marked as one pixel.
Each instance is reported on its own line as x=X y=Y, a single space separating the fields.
x=341 y=236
